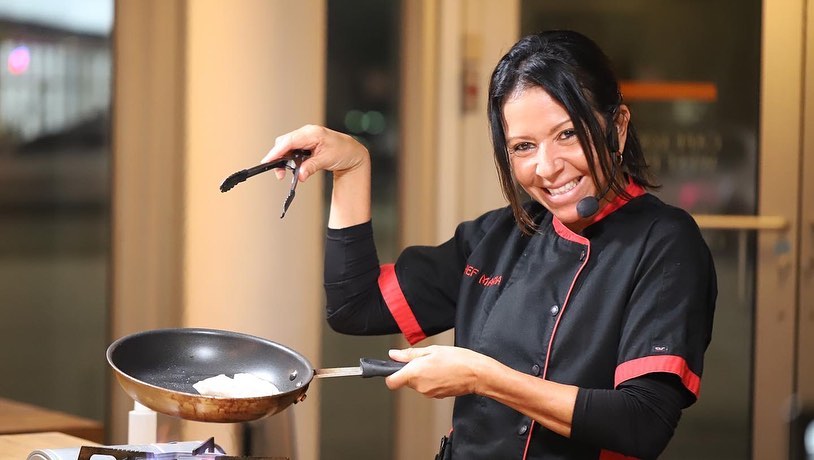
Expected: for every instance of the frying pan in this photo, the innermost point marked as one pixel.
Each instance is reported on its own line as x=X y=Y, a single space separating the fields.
x=158 y=368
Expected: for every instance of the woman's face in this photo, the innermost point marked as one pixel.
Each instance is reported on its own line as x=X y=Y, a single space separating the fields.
x=546 y=157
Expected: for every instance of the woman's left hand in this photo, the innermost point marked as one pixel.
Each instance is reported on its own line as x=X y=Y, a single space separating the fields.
x=438 y=371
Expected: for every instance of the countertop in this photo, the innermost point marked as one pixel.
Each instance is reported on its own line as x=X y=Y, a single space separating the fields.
x=19 y=418
x=18 y=446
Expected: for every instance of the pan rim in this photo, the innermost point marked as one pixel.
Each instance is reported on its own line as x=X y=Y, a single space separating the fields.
x=116 y=343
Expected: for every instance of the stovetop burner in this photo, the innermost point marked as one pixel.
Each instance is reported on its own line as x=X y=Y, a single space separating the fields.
x=207 y=449
x=168 y=451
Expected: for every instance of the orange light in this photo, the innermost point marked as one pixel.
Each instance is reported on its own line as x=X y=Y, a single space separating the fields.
x=638 y=90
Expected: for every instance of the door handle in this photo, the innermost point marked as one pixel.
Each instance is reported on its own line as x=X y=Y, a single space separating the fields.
x=809 y=265
x=740 y=222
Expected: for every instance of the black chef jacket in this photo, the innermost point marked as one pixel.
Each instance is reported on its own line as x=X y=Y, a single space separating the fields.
x=633 y=294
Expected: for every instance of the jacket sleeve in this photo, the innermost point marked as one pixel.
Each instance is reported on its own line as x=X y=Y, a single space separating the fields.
x=668 y=321
x=354 y=304
x=637 y=419
x=416 y=296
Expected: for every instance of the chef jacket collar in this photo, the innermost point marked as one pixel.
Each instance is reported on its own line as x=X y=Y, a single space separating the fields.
x=632 y=189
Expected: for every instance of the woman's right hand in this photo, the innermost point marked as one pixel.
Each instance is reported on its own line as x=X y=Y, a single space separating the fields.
x=330 y=151
x=336 y=152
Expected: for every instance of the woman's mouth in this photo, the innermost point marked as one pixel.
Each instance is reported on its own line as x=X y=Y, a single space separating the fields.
x=565 y=188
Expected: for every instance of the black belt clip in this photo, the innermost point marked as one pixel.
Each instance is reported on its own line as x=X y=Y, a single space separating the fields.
x=445 y=450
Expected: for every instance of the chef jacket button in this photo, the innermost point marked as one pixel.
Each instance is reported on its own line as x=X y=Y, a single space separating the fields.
x=554 y=310
x=535 y=369
x=523 y=429
x=582 y=256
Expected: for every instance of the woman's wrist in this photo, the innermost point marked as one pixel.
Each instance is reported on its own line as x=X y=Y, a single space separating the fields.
x=350 y=198
x=484 y=371
x=360 y=167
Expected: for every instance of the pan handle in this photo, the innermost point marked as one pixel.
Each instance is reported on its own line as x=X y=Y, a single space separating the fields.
x=378 y=367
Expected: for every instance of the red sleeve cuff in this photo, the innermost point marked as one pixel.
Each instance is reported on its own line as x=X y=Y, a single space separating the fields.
x=670 y=364
x=398 y=306
x=611 y=455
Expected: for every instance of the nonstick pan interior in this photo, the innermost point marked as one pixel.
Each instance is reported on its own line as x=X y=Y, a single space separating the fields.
x=159 y=367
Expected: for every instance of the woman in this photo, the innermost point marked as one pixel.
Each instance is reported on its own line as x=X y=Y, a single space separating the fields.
x=581 y=316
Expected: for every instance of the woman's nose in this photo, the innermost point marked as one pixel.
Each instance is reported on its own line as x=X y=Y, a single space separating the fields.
x=547 y=164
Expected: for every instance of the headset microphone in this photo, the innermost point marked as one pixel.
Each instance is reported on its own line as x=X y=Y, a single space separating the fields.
x=589 y=205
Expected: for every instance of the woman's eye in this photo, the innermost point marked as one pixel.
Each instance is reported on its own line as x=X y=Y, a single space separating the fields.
x=567 y=135
x=521 y=149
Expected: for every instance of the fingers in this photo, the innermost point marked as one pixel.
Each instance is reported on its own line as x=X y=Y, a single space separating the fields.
x=408 y=354
x=394 y=382
x=330 y=151
x=437 y=371
x=306 y=137
x=309 y=167
x=400 y=378
x=403 y=376
x=279 y=148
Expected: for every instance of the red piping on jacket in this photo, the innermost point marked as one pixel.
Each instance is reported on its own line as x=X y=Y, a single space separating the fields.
x=633 y=190
x=398 y=306
x=579 y=239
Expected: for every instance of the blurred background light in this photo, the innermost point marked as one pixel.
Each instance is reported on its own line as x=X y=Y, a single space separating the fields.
x=373 y=122
x=18 y=60
x=353 y=121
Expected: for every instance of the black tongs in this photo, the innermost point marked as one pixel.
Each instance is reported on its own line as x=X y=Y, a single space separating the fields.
x=291 y=161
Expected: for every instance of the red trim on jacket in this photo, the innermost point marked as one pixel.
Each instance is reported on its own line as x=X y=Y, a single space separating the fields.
x=586 y=242
x=566 y=232
x=611 y=455
x=671 y=364
x=398 y=306
x=632 y=189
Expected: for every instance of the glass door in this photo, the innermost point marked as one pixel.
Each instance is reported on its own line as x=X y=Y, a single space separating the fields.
x=55 y=85
x=715 y=89
x=802 y=426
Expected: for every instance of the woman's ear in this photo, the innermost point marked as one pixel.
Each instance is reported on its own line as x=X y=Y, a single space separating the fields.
x=621 y=122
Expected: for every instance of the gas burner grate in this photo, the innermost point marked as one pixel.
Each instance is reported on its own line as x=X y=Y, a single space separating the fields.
x=207 y=450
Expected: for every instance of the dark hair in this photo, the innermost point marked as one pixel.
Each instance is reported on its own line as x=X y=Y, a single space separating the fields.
x=575 y=72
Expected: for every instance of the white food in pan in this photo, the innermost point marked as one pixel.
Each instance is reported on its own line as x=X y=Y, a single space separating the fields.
x=242 y=386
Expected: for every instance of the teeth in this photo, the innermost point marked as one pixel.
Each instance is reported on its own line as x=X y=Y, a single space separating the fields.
x=564 y=189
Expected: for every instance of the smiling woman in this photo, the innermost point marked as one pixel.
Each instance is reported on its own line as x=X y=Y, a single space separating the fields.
x=702 y=108
x=576 y=335
x=548 y=160
x=553 y=126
